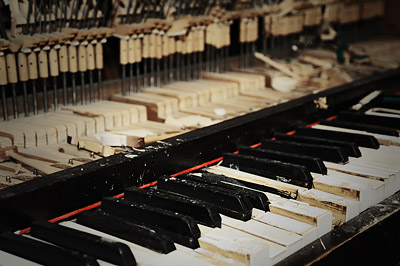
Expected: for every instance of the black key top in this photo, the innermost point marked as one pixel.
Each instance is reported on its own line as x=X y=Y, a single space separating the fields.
x=113 y=252
x=199 y=210
x=390 y=122
x=361 y=140
x=350 y=148
x=181 y=228
x=286 y=172
x=226 y=201
x=118 y=227
x=258 y=200
x=252 y=185
x=327 y=153
x=42 y=253
x=363 y=127
x=313 y=164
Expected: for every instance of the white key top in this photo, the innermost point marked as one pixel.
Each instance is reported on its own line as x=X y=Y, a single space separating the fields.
x=7 y=259
x=346 y=188
x=143 y=255
x=308 y=232
x=342 y=209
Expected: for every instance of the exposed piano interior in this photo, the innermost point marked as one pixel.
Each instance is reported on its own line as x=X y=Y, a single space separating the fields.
x=246 y=175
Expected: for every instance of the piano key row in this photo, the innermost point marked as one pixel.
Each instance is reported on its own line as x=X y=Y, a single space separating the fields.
x=337 y=196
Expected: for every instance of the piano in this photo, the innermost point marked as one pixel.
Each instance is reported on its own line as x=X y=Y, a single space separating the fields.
x=313 y=180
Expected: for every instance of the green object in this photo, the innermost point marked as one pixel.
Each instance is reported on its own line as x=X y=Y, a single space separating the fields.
x=340 y=55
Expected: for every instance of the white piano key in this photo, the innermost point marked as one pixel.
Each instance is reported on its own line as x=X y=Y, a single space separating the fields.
x=302 y=211
x=241 y=246
x=342 y=209
x=389 y=112
x=292 y=242
x=388 y=177
x=7 y=259
x=101 y=262
x=143 y=255
x=345 y=188
x=378 y=187
x=308 y=232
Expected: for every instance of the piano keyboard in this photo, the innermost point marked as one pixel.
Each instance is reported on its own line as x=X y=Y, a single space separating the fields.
x=257 y=206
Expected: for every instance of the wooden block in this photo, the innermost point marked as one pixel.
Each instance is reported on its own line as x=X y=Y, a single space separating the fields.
x=5 y=142
x=342 y=209
x=186 y=99
x=61 y=130
x=93 y=111
x=155 y=108
x=88 y=123
x=124 y=114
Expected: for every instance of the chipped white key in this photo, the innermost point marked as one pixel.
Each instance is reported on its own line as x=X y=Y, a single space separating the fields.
x=342 y=209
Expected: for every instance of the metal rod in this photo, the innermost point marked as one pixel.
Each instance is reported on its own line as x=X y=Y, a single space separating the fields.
x=83 y=93
x=178 y=66
x=144 y=73
x=91 y=86
x=25 y=92
x=165 y=70
x=55 y=93
x=65 y=99
x=158 y=69
x=123 y=88
x=137 y=77
x=200 y=65
x=45 y=102
x=4 y=102
x=151 y=72
x=99 y=85
x=14 y=99
x=130 y=78
x=34 y=96
x=171 y=68
x=73 y=89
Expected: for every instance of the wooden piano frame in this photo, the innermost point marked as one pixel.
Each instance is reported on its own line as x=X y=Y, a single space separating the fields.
x=62 y=192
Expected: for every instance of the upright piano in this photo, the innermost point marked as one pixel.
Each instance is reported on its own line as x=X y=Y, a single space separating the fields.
x=313 y=179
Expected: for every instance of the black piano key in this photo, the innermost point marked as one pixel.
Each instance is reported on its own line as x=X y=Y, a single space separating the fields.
x=390 y=122
x=138 y=234
x=226 y=201
x=287 y=172
x=41 y=252
x=364 y=127
x=313 y=164
x=361 y=140
x=327 y=153
x=181 y=228
x=251 y=185
x=350 y=148
x=258 y=200
x=199 y=210
x=113 y=252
